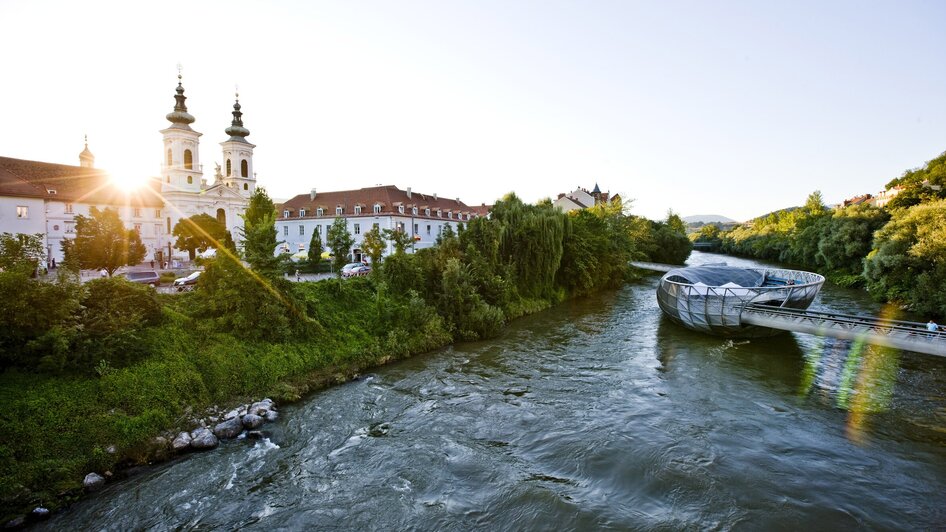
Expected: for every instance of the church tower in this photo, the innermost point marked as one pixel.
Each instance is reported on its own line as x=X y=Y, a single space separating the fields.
x=86 y=159
x=181 y=166
x=237 y=168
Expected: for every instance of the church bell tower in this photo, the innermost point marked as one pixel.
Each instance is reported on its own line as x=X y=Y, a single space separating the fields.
x=181 y=169
x=238 y=155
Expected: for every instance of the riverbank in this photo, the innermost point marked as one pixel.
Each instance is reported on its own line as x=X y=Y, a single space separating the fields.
x=57 y=429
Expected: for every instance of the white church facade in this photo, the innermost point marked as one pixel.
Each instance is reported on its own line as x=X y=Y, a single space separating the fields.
x=39 y=197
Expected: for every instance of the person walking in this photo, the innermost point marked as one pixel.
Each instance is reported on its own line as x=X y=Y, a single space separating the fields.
x=297 y=276
x=932 y=326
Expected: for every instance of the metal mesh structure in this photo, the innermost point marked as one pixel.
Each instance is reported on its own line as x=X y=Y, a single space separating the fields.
x=711 y=298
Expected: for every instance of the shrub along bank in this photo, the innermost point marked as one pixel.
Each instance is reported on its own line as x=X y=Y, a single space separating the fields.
x=93 y=372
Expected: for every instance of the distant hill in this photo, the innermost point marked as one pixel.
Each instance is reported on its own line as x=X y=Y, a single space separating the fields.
x=708 y=218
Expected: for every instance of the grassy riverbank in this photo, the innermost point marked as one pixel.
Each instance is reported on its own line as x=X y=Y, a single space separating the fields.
x=58 y=428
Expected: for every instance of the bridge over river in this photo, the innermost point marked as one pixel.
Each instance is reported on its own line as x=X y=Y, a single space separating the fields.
x=908 y=335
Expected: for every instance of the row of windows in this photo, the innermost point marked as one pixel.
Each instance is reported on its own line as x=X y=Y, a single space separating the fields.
x=244 y=168
x=377 y=210
x=188 y=159
x=356 y=229
x=22 y=211
x=70 y=227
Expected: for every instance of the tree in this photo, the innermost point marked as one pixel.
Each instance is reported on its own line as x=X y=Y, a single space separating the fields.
x=340 y=241
x=374 y=245
x=200 y=232
x=259 y=236
x=21 y=252
x=315 y=248
x=399 y=238
x=103 y=243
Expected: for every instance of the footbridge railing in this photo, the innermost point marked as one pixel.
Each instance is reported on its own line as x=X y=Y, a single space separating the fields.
x=898 y=334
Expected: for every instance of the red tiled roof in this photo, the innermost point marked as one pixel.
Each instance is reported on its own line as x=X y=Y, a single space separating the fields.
x=389 y=197
x=78 y=184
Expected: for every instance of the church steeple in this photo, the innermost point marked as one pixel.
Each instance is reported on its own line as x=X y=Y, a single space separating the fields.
x=86 y=159
x=179 y=116
x=181 y=154
x=236 y=130
x=238 y=155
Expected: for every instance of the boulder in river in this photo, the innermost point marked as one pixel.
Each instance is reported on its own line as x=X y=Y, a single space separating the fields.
x=203 y=438
x=230 y=428
x=181 y=442
x=251 y=421
x=39 y=513
x=271 y=415
x=93 y=481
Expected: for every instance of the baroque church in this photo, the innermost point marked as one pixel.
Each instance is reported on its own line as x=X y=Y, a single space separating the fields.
x=40 y=197
x=184 y=188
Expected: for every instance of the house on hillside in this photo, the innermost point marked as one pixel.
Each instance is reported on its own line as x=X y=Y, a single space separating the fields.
x=581 y=198
x=423 y=216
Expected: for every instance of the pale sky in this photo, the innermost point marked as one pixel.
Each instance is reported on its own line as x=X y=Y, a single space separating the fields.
x=703 y=107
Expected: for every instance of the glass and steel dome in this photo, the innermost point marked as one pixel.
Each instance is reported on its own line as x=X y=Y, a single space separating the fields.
x=711 y=298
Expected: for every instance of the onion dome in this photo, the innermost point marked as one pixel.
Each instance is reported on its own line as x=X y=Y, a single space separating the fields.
x=180 y=117
x=236 y=129
x=86 y=159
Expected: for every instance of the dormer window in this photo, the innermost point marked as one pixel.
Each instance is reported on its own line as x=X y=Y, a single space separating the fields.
x=301 y=213
x=285 y=214
x=339 y=211
x=439 y=213
x=320 y=211
x=357 y=209
x=377 y=208
x=414 y=210
x=450 y=215
x=427 y=211
x=400 y=209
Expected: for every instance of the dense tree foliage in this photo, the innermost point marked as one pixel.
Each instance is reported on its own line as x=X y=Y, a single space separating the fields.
x=920 y=185
x=103 y=243
x=21 y=252
x=340 y=241
x=908 y=262
x=373 y=244
x=200 y=232
x=898 y=252
x=259 y=236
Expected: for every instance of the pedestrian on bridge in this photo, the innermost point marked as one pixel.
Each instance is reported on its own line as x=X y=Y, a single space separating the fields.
x=931 y=326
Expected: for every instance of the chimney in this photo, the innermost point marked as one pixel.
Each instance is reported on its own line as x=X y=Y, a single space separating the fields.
x=408 y=192
x=312 y=195
x=435 y=196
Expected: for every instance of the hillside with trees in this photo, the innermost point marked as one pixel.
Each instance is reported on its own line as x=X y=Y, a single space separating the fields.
x=898 y=252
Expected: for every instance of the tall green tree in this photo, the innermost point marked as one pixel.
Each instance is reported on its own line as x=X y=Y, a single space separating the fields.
x=373 y=244
x=315 y=248
x=21 y=252
x=340 y=241
x=259 y=236
x=103 y=243
x=400 y=239
x=199 y=233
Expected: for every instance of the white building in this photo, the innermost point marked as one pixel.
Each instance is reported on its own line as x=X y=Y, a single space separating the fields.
x=422 y=216
x=184 y=189
x=40 y=197
x=44 y=198
x=580 y=198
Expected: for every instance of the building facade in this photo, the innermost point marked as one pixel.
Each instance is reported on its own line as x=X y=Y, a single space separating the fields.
x=581 y=198
x=39 y=197
x=422 y=216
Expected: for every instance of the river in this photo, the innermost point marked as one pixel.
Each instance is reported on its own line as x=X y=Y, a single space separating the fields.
x=597 y=414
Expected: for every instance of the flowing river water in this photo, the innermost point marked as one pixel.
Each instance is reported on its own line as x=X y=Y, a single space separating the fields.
x=596 y=414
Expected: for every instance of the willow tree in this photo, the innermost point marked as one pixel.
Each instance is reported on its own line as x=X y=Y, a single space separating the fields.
x=531 y=243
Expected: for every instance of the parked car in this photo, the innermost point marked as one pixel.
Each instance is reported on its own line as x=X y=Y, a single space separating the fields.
x=186 y=284
x=348 y=267
x=357 y=270
x=149 y=278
